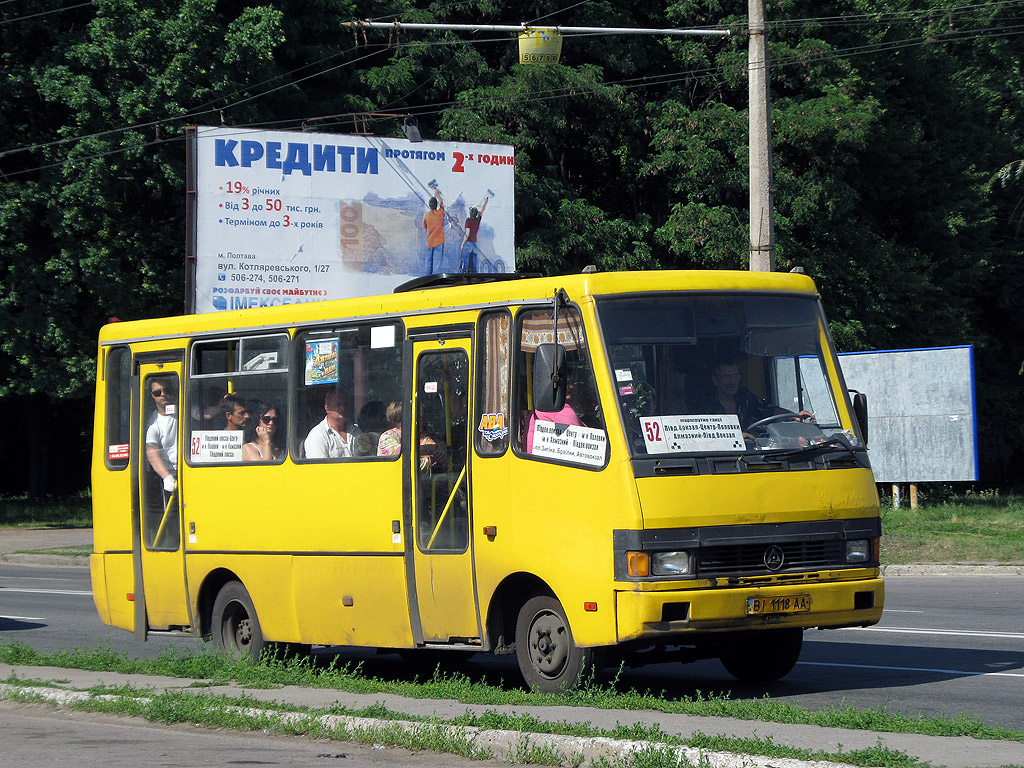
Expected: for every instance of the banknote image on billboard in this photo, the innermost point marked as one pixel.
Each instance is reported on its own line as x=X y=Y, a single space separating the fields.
x=282 y=217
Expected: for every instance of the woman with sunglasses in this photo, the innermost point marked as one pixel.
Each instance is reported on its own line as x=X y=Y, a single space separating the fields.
x=263 y=430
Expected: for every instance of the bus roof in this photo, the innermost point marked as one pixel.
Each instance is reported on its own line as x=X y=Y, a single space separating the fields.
x=451 y=298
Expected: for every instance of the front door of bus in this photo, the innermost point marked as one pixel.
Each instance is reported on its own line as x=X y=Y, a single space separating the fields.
x=160 y=594
x=445 y=595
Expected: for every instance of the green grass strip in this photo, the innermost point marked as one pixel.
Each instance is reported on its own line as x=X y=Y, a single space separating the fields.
x=215 y=670
x=244 y=713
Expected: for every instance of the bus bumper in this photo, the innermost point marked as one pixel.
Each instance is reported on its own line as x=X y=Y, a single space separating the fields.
x=660 y=614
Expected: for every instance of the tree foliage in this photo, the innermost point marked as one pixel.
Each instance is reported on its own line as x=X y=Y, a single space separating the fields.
x=897 y=147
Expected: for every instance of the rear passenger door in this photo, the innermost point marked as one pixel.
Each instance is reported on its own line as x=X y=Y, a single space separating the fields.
x=444 y=587
x=160 y=595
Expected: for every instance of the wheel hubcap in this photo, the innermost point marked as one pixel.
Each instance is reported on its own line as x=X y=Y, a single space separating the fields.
x=549 y=644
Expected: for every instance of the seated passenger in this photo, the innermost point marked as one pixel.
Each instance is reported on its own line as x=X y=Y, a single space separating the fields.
x=335 y=436
x=235 y=411
x=431 y=451
x=263 y=432
x=567 y=415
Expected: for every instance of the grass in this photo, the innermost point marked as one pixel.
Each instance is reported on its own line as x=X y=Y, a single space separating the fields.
x=69 y=512
x=969 y=528
x=456 y=736
x=208 y=666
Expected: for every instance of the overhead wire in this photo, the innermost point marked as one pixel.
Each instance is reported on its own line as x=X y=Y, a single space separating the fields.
x=537 y=96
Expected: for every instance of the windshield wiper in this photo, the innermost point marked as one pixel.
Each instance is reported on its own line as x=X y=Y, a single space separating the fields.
x=838 y=440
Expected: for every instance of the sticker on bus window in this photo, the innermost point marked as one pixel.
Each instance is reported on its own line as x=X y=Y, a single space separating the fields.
x=493 y=427
x=692 y=434
x=321 y=362
x=118 y=451
x=430 y=387
x=568 y=442
x=623 y=374
x=382 y=337
x=213 y=446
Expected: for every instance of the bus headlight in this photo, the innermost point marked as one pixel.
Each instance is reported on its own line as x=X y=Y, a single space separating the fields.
x=671 y=563
x=858 y=551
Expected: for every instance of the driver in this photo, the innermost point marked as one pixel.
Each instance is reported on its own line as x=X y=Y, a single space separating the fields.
x=728 y=396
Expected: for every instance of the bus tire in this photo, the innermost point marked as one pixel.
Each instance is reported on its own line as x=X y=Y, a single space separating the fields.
x=236 y=627
x=549 y=658
x=763 y=656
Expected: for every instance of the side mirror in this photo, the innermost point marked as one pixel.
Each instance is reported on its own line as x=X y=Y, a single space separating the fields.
x=549 y=378
x=860 y=410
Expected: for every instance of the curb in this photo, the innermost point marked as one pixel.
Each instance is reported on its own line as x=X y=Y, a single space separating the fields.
x=514 y=747
x=32 y=558
x=945 y=569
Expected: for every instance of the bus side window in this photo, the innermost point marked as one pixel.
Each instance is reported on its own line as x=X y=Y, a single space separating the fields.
x=582 y=409
x=232 y=383
x=350 y=374
x=493 y=401
x=118 y=376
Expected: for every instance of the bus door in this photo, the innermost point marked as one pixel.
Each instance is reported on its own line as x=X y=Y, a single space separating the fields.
x=160 y=594
x=443 y=591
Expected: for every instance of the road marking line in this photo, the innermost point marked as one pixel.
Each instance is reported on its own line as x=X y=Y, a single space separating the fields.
x=912 y=669
x=24 y=618
x=48 y=591
x=901 y=610
x=953 y=632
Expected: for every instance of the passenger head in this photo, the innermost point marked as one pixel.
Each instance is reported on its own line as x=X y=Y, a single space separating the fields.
x=269 y=417
x=235 y=410
x=163 y=393
x=336 y=406
x=394 y=414
x=725 y=375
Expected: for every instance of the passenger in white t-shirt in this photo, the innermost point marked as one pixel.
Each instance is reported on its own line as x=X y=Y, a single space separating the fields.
x=162 y=433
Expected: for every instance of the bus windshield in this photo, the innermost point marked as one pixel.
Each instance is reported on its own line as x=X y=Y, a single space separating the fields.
x=720 y=372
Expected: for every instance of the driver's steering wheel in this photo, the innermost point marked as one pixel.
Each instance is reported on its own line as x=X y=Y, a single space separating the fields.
x=760 y=423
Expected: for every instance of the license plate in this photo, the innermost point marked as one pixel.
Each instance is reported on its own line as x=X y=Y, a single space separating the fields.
x=782 y=604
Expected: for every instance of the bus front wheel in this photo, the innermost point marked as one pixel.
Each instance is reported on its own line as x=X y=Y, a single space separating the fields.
x=763 y=656
x=236 y=628
x=548 y=657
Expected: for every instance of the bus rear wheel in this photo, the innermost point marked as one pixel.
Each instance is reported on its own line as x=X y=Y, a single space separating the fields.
x=235 y=625
x=549 y=659
x=763 y=656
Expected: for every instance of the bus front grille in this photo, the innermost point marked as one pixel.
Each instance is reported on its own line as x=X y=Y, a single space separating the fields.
x=755 y=559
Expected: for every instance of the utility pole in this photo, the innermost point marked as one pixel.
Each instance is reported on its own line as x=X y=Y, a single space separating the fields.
x=762 y=182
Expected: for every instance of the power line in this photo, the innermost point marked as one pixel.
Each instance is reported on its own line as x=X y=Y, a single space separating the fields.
x=536 y=96
x=44 y=13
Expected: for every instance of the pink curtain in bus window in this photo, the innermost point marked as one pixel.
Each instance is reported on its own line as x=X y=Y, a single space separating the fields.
x=496 y=376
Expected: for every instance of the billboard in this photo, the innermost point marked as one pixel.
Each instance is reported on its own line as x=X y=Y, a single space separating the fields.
x=278 y=217
x=922 y=425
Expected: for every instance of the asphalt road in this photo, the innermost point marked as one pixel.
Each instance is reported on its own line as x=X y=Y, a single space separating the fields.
x=946 y=645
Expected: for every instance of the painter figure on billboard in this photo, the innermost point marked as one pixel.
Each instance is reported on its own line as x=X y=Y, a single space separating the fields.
x=433 y=222
x=469 y=251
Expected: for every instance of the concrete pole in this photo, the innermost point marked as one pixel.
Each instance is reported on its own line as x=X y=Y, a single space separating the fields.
x=762 y=183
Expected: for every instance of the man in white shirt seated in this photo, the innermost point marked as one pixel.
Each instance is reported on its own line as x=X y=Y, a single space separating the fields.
x=335 y=436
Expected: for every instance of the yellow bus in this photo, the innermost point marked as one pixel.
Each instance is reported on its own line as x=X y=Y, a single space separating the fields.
x=581 y=470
